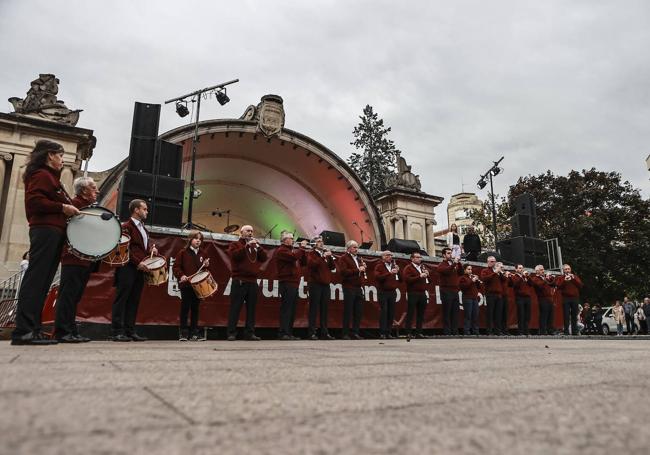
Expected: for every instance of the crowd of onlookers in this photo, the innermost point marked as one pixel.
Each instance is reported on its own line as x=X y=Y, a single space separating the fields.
x=630 y=317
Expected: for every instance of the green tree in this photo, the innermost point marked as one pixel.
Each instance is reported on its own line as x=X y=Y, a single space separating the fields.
x=482 y=219
x=602 y=224
x=375 y=162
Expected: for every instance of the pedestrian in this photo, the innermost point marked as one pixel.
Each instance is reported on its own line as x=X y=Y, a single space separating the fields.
x=629 y=310
x=646 y=312
x=619 y=317
x=643 y=322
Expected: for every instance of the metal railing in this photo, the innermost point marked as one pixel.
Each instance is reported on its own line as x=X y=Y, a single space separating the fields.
x=554 y=254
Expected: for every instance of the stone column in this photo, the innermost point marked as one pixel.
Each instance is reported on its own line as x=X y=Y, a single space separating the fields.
x=399 y=227
x=66 y=179
x=431 y=245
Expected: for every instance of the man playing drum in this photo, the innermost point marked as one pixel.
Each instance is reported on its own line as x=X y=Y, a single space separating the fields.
x=187 y=263
x=129 y=279
x=75 y=273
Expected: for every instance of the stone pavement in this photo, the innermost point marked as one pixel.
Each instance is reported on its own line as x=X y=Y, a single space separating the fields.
x=489 y=396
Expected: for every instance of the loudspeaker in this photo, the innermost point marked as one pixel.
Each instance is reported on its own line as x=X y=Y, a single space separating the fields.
x=144 y=133
x=528 y=251
x=166 y=213
x=524 y=204
x=141 y=154
x=333 y=238
x=137 y=185
x=169 y=159
x=169 y=189
x=164 y=196
x=145 y=120
x=403 y=246
x=524 y=221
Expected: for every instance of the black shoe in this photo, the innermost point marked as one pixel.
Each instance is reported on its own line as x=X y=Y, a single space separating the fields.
x=32 y=339
x=313 y=337
x=327 y=336
x=253 y=338
x=121 y=338
x=231 y=338
x=69 y=338
x=285 y=338
x=346 y=337
x=136 y=337
x=293 y=338
x=82 y=339
x=356 y=336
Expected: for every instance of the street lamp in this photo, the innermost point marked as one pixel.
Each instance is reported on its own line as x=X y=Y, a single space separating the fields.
x=220 y=92
x=493 y=171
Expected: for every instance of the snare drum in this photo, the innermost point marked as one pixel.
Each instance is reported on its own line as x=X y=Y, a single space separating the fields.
x=91 y=237
x=156 y=270
x=203 y=284
x=120 y=255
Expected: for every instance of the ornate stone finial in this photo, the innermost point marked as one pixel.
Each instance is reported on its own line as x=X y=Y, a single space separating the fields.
x=269 y=114
x=404 y=178
x=41 y=102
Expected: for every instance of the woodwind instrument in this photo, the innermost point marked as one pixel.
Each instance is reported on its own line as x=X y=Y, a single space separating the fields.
x=475 y=278
x=362 y=263
x=425 y=270
x=393 y=265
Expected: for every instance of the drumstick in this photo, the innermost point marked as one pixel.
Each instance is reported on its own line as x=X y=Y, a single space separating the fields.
x=154 y=246
x=197 y=272
x=105 y=216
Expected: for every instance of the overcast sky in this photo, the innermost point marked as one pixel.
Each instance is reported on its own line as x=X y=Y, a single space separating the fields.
x=554 y=85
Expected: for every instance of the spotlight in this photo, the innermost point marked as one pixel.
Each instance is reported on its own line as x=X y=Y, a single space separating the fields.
x=197 y=193
x=222 y=97
x=481 y=184
x=496 y=170
x=181 y=109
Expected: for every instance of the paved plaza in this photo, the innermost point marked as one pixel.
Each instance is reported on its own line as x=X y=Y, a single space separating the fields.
x=489 y=396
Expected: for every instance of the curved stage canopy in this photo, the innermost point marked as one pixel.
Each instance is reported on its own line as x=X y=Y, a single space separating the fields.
x=286 y=182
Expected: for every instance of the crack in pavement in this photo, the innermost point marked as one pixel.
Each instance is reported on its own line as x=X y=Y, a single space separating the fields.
x=169 y=405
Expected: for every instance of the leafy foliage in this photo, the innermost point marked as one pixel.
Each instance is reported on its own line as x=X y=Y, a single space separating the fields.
x=375 y=162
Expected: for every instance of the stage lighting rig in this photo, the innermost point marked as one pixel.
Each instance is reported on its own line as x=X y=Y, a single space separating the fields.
x=222 y=97
x=493 y=171
x=181 y=109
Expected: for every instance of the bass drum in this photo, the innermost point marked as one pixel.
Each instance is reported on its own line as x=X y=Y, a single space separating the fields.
x=91 y=237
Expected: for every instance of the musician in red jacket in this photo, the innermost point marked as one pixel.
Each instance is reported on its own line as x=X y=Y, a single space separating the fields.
x=569 y=284
x=47 y=207
x=320 y=266
x=416 y=277
x=387 y=276
x=493 y=278
x=543 y=285
x=246 y=257
x=288 y=261
x=188 y=262
x=75 y=273
x=523 y=288
x=353 y=270
x=449 y=270
x=129 y=279
x=470 y=285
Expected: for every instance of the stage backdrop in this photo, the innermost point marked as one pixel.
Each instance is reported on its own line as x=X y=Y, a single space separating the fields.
x=160 y=305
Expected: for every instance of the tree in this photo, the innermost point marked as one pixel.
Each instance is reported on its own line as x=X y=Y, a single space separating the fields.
x=482 y=219
x=376 y=161
x=602 y=224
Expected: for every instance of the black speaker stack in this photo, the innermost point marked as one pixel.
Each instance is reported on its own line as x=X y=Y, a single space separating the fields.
x=154 y=171
x=524 y=247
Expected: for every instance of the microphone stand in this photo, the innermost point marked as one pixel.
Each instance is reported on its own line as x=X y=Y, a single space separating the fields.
x=268 y=234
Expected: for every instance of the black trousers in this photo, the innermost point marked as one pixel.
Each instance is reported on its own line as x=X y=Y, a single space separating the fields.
x=472 y=256
x=189 y=307
x=417 y=303
x=72 y=285
x=570 y=313
x=289 y=297
x=523 y=314
x=240 y=292
x=45 y=245
x=352 y=309
x=387 y=301
x=450 y=310
x=129 y=281
x=495 y=322
x=629 y=323
x=546 y=317
x=319 y=300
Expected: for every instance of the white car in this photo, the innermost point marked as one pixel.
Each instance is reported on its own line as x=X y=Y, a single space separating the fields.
x=609 y=324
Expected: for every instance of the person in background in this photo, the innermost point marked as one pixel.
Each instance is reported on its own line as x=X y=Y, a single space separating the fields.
x=643 y=323
x=629 y=309
x=619 y=317
x=453 y=242
x=471 y=244
x=588 y=318
x=646 y=312
x=598 y=318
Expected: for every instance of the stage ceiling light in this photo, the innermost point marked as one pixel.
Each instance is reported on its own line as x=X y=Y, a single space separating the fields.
x=181 y=109
x=222 y=97
x=496 y=171
x=481 y=184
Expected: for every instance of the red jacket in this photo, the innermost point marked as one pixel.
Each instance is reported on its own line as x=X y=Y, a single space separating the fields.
x=288 y=261
x=352 y=277
x=470 y=288
x=449 y=273
x=67 y=258
x=493 y=283
x=543 y=288
x=522 y=285
x=44 y=199
x=245 y=262
x=187 y=263
x=137 y=251
x=319 y=268
x=386 y=281
x=569 y=288
x=415 y=283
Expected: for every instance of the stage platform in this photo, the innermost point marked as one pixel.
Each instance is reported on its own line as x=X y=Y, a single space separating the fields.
x=486 y=395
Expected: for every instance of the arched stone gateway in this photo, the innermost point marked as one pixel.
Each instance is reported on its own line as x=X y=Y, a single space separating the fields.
x=284 y=181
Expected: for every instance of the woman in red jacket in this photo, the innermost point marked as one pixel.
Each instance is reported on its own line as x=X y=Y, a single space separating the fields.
x=188 y=261
x=47 y=207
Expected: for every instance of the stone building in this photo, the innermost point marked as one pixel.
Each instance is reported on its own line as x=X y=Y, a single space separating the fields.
x=459 y=209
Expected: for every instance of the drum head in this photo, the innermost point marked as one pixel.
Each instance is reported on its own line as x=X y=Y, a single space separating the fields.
x=154 y=263
x=91 y=235
x=199 y=276
x=124 y=239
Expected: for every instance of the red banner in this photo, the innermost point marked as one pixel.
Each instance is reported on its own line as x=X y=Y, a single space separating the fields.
x=160 y=305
